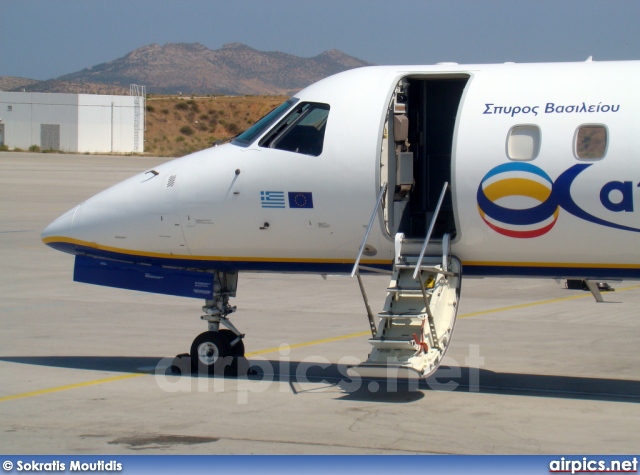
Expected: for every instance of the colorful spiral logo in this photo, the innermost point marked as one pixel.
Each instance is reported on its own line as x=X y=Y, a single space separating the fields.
x=517 y=200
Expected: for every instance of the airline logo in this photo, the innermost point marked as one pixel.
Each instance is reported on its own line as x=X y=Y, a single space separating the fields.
x=527 y=191
x=520 y=200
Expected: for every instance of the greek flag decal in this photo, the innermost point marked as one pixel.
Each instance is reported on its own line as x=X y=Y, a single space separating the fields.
x=272 y=199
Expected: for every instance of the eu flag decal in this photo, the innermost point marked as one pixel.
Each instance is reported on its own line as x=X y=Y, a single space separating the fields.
x=300 y=199
x=272 y=199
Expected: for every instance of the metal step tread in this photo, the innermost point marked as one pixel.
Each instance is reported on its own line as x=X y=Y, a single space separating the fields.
x=371 y=370
x=430 y=269
x=402 y=315
x=412 y=292
x=409 y=257
x=395 y=339
x=393 y=343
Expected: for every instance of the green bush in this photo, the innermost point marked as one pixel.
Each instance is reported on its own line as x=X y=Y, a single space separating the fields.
x=186 y=130
x=183 y=106
x=194 y=105
x=34 y=148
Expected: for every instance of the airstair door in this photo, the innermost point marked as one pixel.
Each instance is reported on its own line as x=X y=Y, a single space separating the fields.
x=416 y=324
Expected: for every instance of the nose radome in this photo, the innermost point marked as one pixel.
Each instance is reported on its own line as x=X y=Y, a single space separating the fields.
x=58 y=233
x=117 y=218
x=137 y=215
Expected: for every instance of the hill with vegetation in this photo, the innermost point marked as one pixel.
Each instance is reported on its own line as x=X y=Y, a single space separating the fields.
x=11 y=83
x=176 y=126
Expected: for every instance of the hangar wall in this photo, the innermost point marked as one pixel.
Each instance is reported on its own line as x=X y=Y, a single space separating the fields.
x=73 y=122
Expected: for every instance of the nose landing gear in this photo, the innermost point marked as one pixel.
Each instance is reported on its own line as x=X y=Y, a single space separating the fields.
x=216 y=351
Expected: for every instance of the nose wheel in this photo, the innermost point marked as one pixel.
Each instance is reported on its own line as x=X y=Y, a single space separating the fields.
x=208 y=352
x=217 y=350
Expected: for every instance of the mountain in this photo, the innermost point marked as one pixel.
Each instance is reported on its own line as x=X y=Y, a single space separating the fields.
x=8 y=83
x=11 y=83
x=234 y=69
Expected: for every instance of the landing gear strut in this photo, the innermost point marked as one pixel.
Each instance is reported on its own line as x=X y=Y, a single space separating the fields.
x=216 y=349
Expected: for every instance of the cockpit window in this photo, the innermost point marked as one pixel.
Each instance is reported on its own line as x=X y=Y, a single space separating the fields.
x=249 y=135
x=301 y=131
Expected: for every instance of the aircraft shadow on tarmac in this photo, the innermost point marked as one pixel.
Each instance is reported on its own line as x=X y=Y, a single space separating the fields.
x=303 y=375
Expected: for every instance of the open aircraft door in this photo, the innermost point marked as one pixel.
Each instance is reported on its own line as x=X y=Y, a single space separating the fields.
x=416 y=324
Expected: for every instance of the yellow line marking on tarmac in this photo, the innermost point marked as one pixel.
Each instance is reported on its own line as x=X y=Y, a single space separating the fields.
x=466 y=315
x=70 y=386
x=308 y=343
x=541 y=302
x=297 y=345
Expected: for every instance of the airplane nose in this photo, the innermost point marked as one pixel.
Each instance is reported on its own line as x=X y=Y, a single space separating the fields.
x=57 y=235
x=133 y=217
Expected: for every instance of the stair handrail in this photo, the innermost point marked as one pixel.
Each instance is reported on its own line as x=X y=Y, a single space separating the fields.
x=431 y=226
x=383 y=189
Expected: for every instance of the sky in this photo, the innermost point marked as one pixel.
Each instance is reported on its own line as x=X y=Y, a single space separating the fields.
x=44 y=39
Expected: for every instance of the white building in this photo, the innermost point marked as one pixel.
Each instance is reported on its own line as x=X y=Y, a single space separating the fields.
x=73 y=122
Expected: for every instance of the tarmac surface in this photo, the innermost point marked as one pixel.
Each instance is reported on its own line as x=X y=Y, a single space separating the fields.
x=533 y=367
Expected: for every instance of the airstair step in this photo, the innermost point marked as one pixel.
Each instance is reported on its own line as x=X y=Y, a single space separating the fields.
x=385 y=371
x=431 y=269
x=392 y=344
x=402 y=315
x=408 y=292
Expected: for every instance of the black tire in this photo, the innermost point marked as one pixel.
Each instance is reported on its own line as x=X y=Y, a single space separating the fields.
x=236 y=351
x=208 y=353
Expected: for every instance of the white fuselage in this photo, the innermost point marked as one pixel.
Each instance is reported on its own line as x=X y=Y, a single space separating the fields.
x=251 y=206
